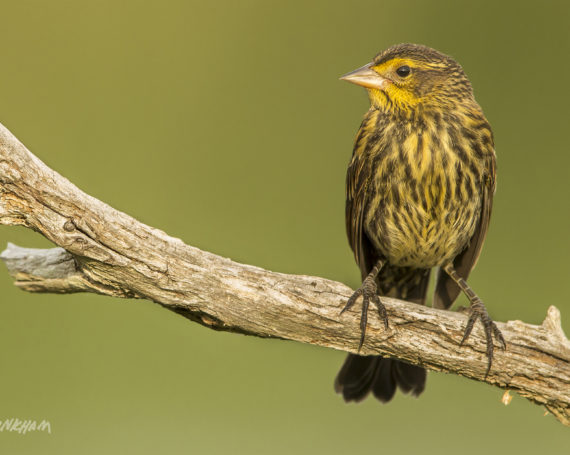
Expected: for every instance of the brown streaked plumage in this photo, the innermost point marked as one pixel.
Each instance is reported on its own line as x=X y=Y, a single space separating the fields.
x=419 y=192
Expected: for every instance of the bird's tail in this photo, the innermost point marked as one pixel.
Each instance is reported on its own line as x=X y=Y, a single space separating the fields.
x=360 y=375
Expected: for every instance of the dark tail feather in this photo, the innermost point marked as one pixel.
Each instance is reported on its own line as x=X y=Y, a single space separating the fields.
x=355 y=378
x=410 y=378
x=361 y=375
x=385 y=382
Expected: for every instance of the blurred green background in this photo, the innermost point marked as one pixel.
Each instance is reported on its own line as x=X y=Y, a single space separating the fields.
x=224 y=123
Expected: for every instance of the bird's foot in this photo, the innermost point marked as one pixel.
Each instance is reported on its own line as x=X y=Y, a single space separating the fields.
x=369 y=292
x=477 y=310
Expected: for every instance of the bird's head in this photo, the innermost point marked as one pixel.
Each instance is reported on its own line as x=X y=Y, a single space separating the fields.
x=409 y=77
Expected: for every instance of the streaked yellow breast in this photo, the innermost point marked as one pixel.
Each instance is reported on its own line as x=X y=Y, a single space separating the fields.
x=425 y=200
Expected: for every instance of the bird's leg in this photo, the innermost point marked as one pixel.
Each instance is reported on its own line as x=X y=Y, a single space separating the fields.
x=477 y=310
x=369 y=291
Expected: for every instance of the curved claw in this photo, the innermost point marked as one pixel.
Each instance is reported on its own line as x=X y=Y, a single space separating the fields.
x=381 y=310
x=352 y=300
x=368 y=292
x=363 y=320
x=469 y=327
x=478 y=311
x=499 y=337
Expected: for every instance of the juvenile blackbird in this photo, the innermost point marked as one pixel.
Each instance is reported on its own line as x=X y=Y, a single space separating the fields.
x=419 y=191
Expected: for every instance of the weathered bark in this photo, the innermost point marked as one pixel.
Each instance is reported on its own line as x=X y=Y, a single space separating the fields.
x=107 y=252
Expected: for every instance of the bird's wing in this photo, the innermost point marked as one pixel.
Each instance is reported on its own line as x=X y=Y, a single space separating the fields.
x=446 y=290
x=357 y=180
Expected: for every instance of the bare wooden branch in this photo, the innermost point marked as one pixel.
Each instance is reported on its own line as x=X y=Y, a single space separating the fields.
x=107 y=252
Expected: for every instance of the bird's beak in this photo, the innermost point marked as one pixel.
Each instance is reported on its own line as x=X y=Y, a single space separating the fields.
x=366 y=77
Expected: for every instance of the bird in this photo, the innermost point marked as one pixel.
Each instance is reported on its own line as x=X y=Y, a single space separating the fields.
x=419 y=193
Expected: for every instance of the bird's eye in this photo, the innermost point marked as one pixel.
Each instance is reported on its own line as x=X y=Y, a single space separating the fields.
x=403 y=71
